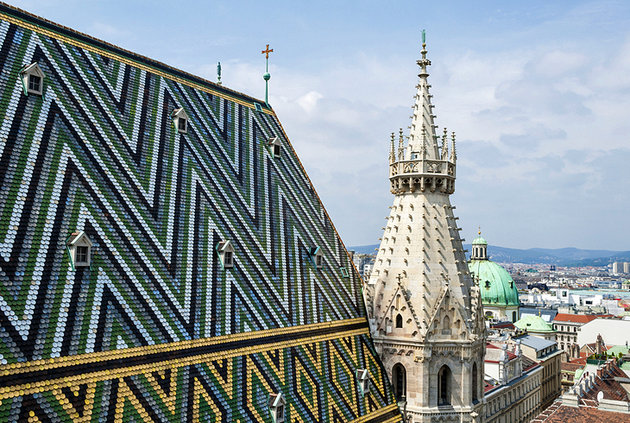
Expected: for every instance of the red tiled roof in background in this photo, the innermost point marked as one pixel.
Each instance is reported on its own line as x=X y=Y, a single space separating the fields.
x=571 y=366
x=575 y=318
x=558 y=413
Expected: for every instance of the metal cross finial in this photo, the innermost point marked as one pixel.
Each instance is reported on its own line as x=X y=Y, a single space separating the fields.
x=266 y=51
x=267 y=75
x=219 y=73
x=399 y=277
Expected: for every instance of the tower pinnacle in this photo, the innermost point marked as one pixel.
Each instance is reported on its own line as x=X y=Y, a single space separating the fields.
x=423 y=111
x=423 y=165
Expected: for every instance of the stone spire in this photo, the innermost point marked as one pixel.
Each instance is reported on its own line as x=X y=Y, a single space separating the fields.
x=423 y=116
x=425 y=311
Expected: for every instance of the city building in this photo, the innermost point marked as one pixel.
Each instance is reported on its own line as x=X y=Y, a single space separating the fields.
x=536 y=325
x=547 y=354
x=616 y=331
x=567 y=327
x=165 y=257
x=499 y=294
x=513 y=382
x=426 y=312
x=621 y=267
x=600 y=394
x=547 y=314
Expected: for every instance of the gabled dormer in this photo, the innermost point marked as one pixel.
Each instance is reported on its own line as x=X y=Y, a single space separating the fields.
x=316 y=256
x=33 y=79
x=275 y=147
x=225 y=250
x=80 y=249
x=363 y=380
x=180 y=120
x=276 y=407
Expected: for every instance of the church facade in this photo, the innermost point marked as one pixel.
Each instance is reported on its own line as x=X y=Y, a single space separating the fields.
x=425 y=311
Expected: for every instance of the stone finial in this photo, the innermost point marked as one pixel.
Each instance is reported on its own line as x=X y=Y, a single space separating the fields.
x=453 y=151
x=444 y=145
x=392 y=153
x=401 y=147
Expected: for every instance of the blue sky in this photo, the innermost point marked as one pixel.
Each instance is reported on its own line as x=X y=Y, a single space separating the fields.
x=538 y=93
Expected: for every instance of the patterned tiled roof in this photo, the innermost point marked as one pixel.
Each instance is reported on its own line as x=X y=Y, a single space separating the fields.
x=158 y=326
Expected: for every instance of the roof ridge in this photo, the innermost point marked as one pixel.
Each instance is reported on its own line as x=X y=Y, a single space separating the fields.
x=96 y=43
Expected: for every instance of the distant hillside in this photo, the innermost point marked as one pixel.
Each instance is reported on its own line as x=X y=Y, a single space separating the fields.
x=558 y=256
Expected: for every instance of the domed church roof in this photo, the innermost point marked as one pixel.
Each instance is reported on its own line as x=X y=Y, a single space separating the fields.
x=534 y=323
x=479 y=241
x=496 y=285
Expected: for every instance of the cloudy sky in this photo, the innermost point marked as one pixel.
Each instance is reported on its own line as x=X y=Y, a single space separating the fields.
x=538 y=93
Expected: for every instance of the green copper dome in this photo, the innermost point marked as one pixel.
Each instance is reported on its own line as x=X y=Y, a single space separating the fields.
x=534 y=323
x=479 y=241
x=495 y=283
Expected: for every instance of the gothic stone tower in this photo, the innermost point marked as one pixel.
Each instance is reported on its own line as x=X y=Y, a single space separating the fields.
x=425 y=311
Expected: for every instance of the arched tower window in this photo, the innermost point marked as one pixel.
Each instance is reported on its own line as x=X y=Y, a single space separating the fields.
x=475 y=398
x=399 y=322
x=399 y=377
x=514 y=319
x=444 y=385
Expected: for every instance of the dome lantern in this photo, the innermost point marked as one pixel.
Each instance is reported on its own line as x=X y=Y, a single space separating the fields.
x=479 y=248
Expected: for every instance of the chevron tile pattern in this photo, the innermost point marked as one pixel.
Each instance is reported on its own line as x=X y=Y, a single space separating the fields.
x=156 y=329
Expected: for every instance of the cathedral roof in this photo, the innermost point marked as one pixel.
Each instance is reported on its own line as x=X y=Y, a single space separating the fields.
x=534 y=324
x=217 y=280
x=496 y=285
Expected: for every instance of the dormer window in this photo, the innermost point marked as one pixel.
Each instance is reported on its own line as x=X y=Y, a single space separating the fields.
x=363 y=380
x=79 y=247
x=276 y=406
x=316 y=256
x=275 y=146
x=33 y=79
x=344 y=272
x=225 y=249
x=180 y=120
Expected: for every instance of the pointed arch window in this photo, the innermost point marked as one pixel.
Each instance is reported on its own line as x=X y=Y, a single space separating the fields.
x=399 y=321
x=33 y=79
x=444 y=386
x=446 y=325
x=399 y=378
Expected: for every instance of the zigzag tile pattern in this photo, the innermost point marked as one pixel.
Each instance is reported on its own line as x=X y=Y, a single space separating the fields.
x=98 y=152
